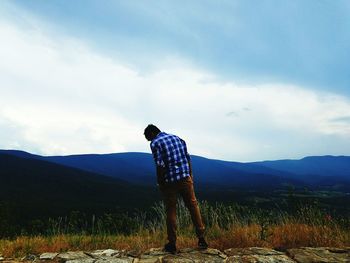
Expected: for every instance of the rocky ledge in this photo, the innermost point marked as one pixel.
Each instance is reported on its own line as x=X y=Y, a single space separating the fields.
x=156 y=255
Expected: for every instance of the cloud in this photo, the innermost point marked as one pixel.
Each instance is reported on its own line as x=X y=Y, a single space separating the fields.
x=344 y=119
x=232 y=114
x=312 y=50
x=60 y=96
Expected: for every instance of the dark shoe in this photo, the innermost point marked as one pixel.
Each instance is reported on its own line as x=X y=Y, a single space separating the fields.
x=170 y=247
x=202 y=244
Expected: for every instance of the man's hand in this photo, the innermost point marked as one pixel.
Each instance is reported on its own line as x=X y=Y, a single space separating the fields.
x=161 y=171
x=191 y=173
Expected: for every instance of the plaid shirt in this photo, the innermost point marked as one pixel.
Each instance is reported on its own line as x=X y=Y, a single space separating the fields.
x=170 y=151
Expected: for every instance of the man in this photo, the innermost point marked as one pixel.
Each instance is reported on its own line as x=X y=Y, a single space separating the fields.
x=174 y=176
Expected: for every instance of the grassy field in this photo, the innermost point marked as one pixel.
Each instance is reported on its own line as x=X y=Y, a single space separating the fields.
x=227 y=226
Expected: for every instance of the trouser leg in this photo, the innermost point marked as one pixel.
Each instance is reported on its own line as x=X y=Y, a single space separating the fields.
x=170 y=208
x=189 y=198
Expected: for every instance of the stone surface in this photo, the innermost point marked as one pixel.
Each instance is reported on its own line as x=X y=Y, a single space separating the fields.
x=115 y=260
x=105 y=253
x=82 y=260
x=29 y=257
x=48 y=256
x=148 y=259
x=134 y=253
x=256 y=255
x=156 y=252
x=73 y=255
x=195 y=255
x=187 y=255
x=319 y=254
x=252 y=251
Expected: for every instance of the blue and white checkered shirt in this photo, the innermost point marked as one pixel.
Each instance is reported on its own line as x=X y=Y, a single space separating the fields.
x=170 y=151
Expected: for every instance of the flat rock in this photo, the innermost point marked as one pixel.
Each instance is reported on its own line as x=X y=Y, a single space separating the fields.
x=148 y=259
x=260 y=259
x=114 y=260
x=72 y=255
x=82 y=260
x=29 y=257
x=134 y=253
x=187 y=255
x=252 y=251
x=156 y=252
x=195 y=255
x=256 y=255
x=105 y=253
x=48 y=256
x=319 y=254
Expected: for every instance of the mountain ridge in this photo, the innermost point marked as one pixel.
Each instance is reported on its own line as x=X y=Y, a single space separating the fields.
x=138 y=167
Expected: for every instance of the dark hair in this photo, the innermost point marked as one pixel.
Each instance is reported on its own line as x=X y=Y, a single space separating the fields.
x=151 y=129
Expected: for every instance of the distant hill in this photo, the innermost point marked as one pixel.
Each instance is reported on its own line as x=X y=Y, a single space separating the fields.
x=47 y=188
x=35 y=188
x=139 y=168
x=320 y=170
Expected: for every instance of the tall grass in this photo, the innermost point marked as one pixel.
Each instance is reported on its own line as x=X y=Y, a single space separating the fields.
x=226 y=226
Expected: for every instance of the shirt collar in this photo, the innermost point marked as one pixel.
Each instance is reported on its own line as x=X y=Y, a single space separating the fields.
x=158 y=135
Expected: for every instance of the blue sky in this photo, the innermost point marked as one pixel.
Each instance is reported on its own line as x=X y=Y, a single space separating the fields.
x=238 y=80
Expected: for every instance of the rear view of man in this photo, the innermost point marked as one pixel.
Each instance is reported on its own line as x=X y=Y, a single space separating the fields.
x=174 y=176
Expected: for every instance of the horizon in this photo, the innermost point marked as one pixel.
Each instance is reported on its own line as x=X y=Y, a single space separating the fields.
x=235 y=80
x=205 y=157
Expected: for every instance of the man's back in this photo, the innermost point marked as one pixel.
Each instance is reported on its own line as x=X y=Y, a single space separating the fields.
x=174 y=177
x=170 y=152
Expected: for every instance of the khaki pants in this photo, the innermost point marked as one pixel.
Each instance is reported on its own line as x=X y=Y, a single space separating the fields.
x=185 y=188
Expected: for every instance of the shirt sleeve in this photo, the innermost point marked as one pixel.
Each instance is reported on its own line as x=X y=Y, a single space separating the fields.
x=157 y=155
x=185 y=149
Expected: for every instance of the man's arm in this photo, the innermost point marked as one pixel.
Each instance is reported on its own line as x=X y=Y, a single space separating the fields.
x=188 y=157
x=190 y=164
x=160 y=166
x=161 y=171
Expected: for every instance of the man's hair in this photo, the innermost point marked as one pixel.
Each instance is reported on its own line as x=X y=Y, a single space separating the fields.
x=151 y=129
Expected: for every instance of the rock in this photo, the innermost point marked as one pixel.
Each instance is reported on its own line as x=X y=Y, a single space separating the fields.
x=114 y=260
x=195 y=255
x=156 y=252
x=187 y=255
x=1 y=258
x=252 y=251
x=82 y=260
x=319 y=254
x=256 y=255
x=48 y=256
x=154 y=255
x=29 y=257
x=176 y=259
x=148 y=259
x=134 y=253
x=212 y=251
x=72 y=255
x=105 y=253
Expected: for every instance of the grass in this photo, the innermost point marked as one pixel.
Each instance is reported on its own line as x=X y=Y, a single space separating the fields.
x=227 y=226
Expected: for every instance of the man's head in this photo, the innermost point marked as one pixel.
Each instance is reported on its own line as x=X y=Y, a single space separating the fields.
x=151 y=131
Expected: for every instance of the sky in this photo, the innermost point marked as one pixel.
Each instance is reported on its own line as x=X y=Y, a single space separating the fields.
x=237 y=80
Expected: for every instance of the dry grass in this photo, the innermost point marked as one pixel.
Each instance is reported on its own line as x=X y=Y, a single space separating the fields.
x=285 y=235
x=227 y=227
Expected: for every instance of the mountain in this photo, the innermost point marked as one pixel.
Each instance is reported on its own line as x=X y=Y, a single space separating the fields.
x=46 y=188
x=139 y=168
x=314 y=169
x=34 y=188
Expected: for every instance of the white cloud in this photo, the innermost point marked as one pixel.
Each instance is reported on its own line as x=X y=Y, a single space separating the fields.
x=58 y=96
